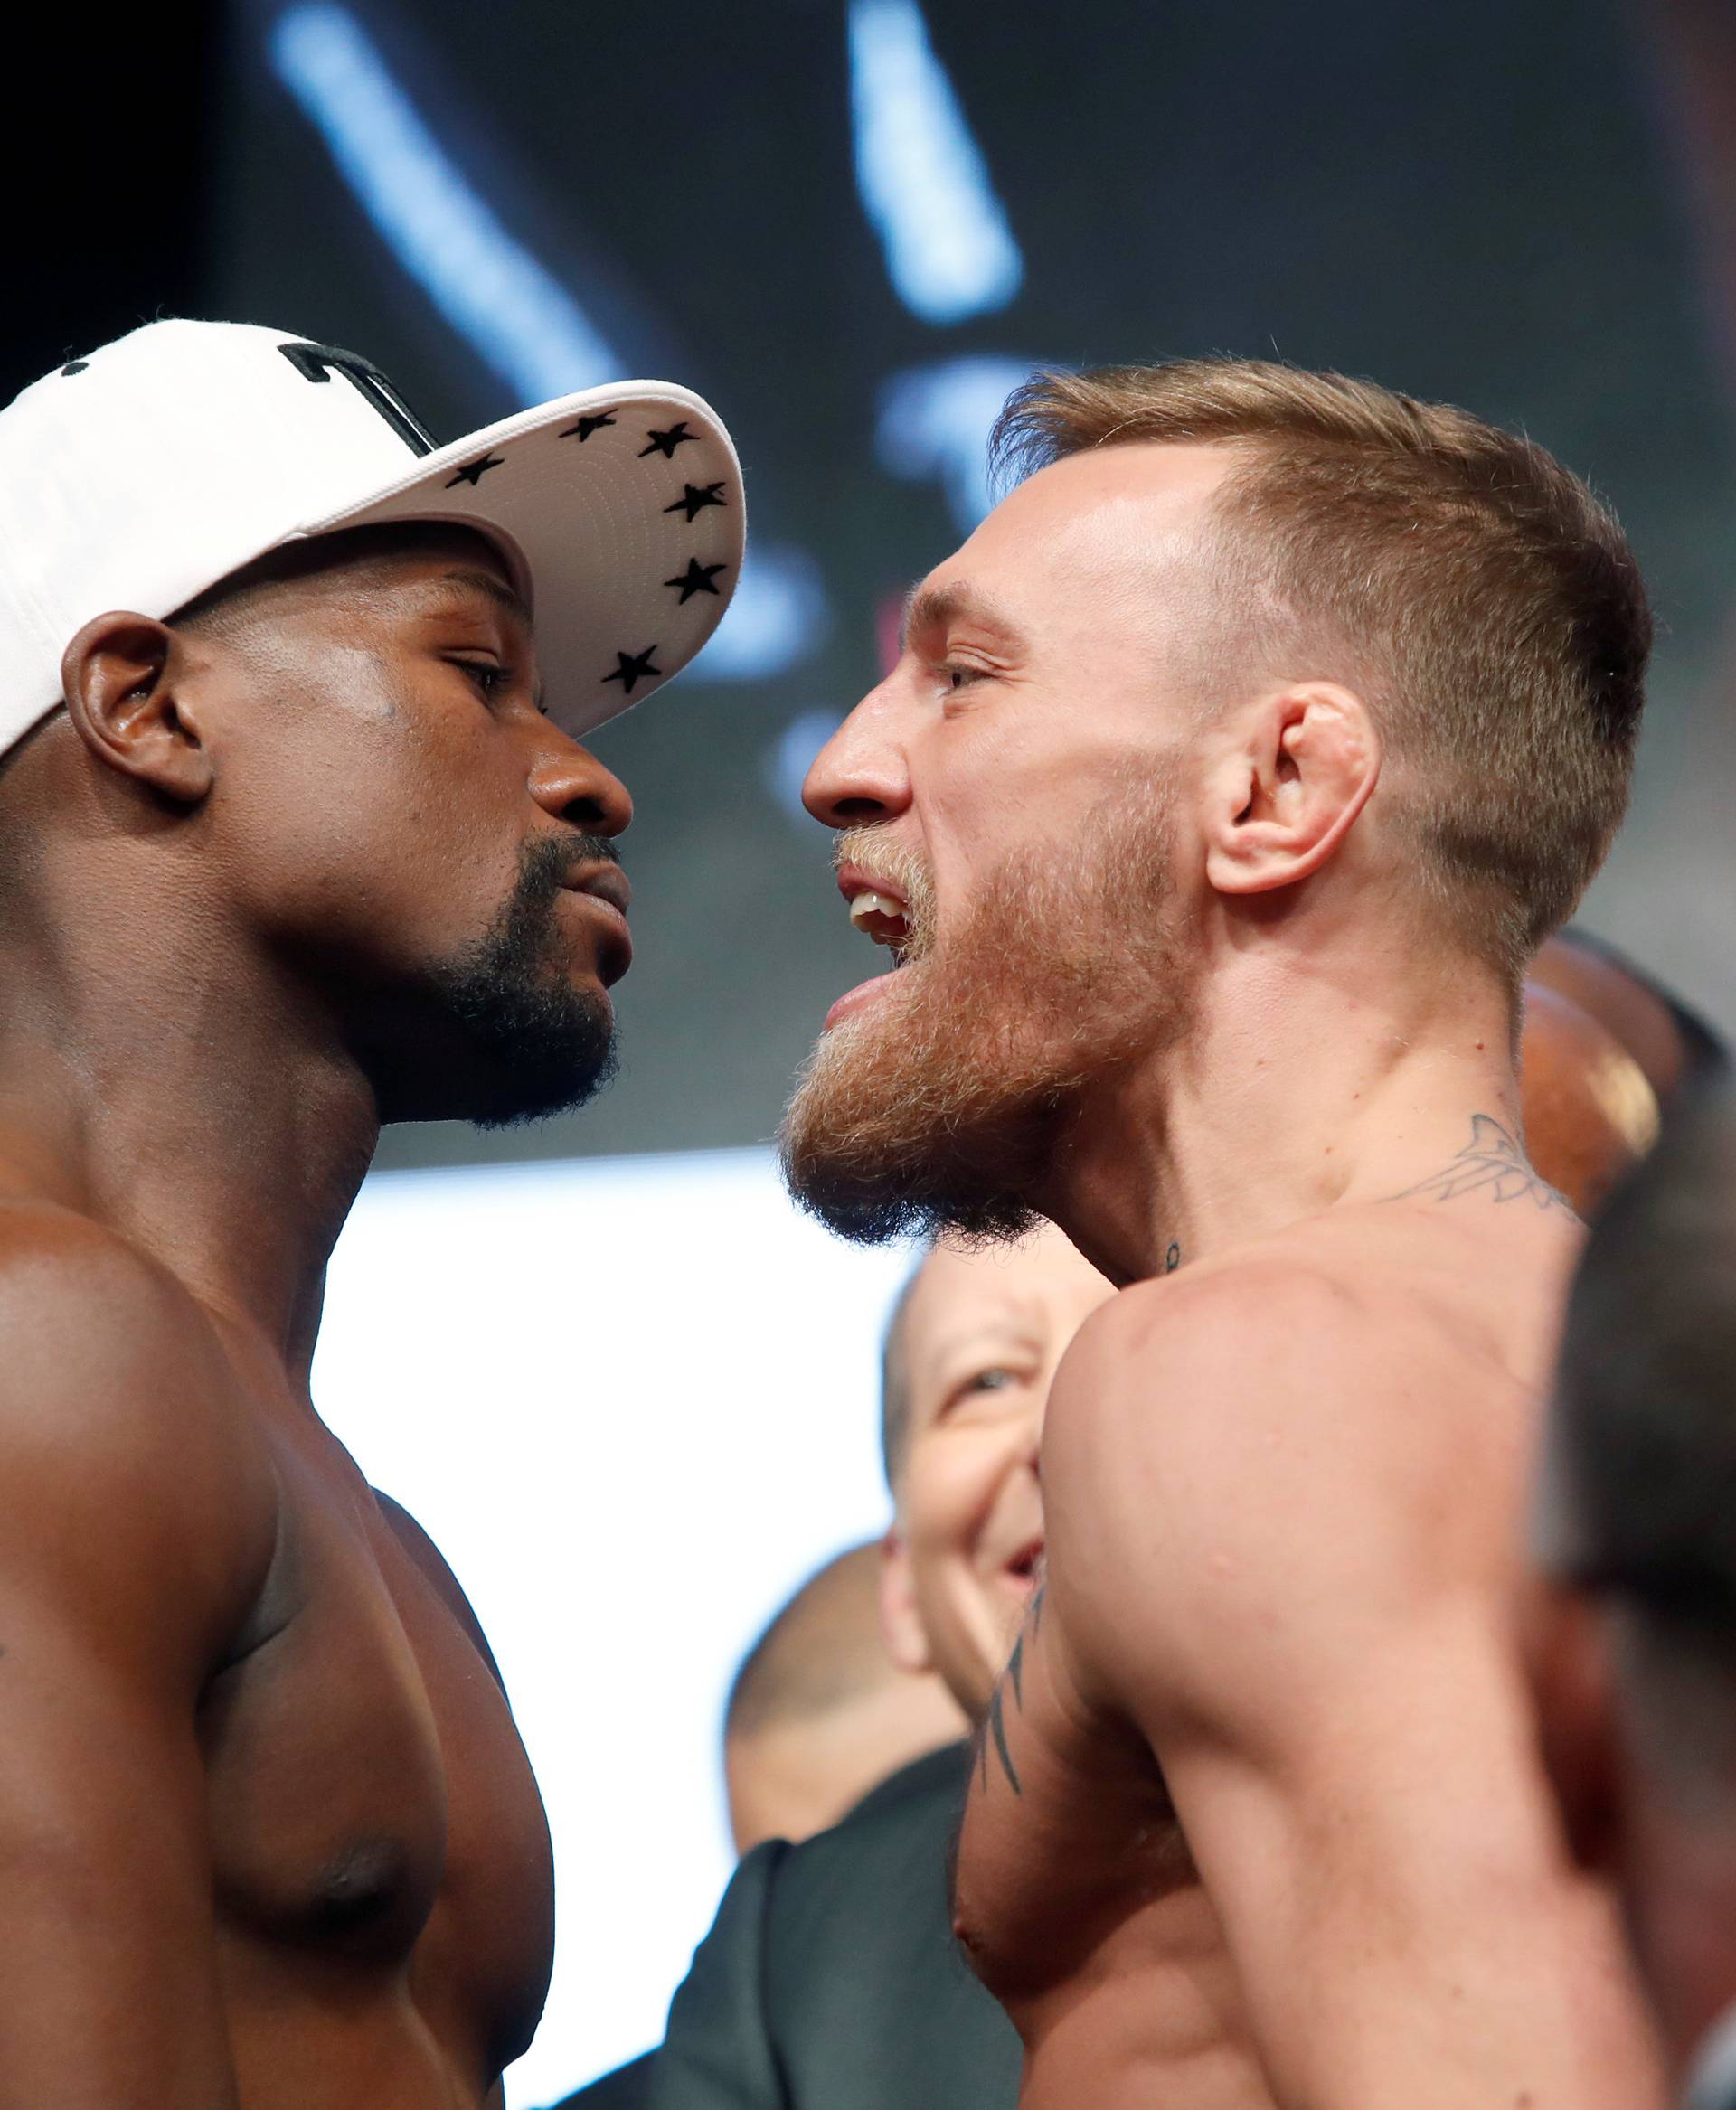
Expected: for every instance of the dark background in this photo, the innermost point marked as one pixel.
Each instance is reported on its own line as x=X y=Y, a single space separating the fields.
x=1517 y=204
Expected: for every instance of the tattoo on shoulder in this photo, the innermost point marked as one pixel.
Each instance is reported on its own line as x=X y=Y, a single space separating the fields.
x=994 y=1730
x=1493 y=1163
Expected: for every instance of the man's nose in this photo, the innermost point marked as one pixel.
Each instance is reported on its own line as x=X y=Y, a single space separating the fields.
x=860 y=776
x=573 y=786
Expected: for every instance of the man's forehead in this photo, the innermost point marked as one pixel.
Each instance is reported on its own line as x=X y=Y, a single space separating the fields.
x=959 y=1294
x=375 y=566
x=472 y=581
x=1090 y=516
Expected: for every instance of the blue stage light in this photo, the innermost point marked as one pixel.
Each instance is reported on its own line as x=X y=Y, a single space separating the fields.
x=521 y=322
x=933 y=424
x=787 y=761
x=924 y=184
x=779 y=615
x=500 y=299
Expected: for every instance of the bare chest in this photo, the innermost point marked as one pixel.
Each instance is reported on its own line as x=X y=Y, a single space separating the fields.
x=377 y=1839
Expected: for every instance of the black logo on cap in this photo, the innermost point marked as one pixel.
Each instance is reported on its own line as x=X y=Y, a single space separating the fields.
x=635 y=667
x=320 y=361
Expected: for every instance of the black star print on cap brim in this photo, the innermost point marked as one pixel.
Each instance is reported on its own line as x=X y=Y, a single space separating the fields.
x=665 y=442
x=587 y=499
x=697 y=579
x=635 y=667
x=472 y=473
x=695 y=497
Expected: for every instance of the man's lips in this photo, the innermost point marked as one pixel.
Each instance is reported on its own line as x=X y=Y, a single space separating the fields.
x=607 y=882
x=605 y=891
x=853 y=880
x=859 y=998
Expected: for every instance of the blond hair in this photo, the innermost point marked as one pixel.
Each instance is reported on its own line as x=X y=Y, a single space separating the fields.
x=1492 y=605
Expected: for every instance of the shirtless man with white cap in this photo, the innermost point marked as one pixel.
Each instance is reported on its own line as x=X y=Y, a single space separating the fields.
x=296 y=837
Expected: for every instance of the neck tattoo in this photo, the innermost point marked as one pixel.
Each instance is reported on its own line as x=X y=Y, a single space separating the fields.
x=1173 y=1259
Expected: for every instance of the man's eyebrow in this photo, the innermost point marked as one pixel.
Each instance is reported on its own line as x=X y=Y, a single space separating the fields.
x=931 y=608
x=475 y=579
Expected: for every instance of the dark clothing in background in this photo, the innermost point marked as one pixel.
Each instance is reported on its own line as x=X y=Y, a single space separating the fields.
x=830 y=1979
x=628 y=2088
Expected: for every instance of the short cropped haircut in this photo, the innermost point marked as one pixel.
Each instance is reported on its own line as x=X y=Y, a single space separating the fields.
x=1640 y=1463
x=1476 y=592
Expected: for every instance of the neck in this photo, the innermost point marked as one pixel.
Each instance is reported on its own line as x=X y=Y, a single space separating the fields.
x=159 y=1075
x=1300 y=1087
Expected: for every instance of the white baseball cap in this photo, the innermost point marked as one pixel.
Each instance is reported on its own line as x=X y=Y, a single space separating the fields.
x=139 y=476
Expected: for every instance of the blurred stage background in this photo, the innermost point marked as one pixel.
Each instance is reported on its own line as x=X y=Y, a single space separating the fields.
x=633 y=1396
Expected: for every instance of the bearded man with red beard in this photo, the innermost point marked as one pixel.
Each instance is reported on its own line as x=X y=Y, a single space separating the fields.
x=1229 y=777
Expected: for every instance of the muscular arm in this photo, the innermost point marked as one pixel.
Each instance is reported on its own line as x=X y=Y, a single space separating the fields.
x=1276 y=1549
x=130 y=1531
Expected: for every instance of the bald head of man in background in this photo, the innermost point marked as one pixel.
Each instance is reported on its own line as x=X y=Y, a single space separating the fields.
x=819 y=1713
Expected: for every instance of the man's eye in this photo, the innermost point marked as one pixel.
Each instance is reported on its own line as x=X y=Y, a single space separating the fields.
x=490 y=678
x=989 y=1380
x=960 y=677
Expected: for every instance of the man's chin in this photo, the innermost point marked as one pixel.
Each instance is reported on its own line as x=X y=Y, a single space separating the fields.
x=892 y=1133
x=500 y=1069
x=552 y=1067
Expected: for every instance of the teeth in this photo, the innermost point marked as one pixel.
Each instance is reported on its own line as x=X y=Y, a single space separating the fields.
x=870 y=904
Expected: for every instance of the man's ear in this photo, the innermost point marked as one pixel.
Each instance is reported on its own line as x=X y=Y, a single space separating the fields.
x=906 y=1641
x=1285 y=793
x=122 y=678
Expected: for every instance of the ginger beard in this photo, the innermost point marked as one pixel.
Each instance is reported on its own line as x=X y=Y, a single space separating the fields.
x=941 y=1108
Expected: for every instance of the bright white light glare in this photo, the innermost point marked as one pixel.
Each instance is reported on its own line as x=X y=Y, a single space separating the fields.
x=778 y=617
x=933 y=422
x=634 y=1402
x=520 y=320
x=924 y=184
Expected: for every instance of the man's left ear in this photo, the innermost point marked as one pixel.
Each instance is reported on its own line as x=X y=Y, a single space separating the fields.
x=1285 y=793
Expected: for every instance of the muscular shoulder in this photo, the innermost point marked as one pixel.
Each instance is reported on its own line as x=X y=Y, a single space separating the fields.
x=121 y=1428
x=1359 y=1316
x=1308 y=1418
x=90 y=1323
x=1280 y=1321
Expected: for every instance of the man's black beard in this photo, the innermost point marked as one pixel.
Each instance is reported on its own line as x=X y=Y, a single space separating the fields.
x=536 y=1045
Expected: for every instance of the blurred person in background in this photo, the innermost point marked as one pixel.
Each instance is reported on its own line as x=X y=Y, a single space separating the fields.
x=819 y=1713
x=1671 y=1042
x=1233 y=771
x=830 y=1980
x=296 y=837
x=1632 y=1634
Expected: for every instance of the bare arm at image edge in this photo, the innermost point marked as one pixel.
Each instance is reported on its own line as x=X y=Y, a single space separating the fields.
x=133 y=1529
x=1252 y=1561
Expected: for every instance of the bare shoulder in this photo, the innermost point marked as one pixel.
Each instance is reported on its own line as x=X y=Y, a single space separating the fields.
x=1356 y=1396
x=1351 y=1312
x=120 y=1416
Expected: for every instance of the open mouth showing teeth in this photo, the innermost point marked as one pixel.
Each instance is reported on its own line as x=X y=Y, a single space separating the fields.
x=882 y=916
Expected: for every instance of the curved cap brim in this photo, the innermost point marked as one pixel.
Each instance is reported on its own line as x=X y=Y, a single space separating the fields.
x=622 y=510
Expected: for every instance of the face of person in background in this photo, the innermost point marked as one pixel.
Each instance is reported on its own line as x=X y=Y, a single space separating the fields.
x=975 y=1353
